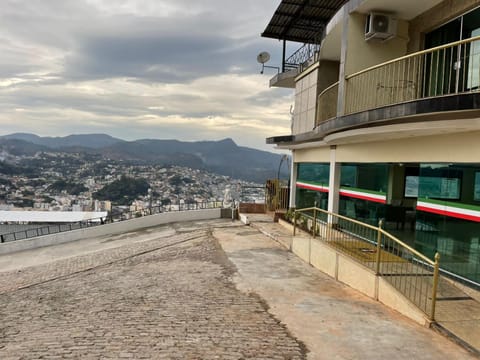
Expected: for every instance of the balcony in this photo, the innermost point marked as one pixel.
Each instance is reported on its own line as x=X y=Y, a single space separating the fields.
x=295 y=64
x=327 y=104
x=442 y=79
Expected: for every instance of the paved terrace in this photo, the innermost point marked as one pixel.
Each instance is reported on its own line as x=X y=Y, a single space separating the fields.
x=200 y=290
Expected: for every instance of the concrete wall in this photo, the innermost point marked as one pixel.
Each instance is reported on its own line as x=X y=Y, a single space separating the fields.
x=362 y=54
x=328 y=72
x=305 y=101
x=110 y=229
x=318 y=154
x=348 y=271
x=440 y=148
x=389 y=296
x=251 y=208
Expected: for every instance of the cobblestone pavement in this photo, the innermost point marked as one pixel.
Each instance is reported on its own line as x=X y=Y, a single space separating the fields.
x=163 y=298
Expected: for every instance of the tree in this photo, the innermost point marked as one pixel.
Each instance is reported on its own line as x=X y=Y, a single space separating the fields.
x=123 y=191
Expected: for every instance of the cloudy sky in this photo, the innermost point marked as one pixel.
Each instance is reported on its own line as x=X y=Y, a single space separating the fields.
x=164 y=69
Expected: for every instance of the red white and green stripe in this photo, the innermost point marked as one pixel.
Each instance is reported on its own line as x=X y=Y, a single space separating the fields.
x=312 y=186
x=375 y=196
x=445 y=208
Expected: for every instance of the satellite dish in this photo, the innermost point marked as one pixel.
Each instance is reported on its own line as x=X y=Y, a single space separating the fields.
x=263 y=57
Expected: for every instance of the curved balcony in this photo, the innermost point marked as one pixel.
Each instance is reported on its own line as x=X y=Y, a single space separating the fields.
x=444 y=70
x=327 y=103
x=428 y=85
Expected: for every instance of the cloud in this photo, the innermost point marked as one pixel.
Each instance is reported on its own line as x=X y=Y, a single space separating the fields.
x=139 y=68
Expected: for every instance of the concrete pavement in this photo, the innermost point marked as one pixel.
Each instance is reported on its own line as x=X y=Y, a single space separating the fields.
x=170 y=292
x=333 y=320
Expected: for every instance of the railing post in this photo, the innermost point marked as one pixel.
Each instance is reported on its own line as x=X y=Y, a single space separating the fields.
x=435 y=285
x=294 y=222
x=314 y=225
x=379 y=247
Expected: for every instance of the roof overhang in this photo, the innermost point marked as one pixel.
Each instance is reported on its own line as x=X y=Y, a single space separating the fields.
x=426 y=117
x=302 y=20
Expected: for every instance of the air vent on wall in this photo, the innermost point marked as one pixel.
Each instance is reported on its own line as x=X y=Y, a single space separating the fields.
x=380 y=26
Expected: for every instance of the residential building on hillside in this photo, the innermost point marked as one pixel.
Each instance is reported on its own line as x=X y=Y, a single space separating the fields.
x=386 y=123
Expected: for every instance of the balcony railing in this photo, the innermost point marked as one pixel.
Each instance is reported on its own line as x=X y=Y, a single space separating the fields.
x=327 y=103
x=111 y=218
x=301 y=57
x=410 y=272
x=444 y=70
x=277 y=195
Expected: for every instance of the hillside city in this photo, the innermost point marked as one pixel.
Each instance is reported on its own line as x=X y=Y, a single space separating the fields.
x=39 y=183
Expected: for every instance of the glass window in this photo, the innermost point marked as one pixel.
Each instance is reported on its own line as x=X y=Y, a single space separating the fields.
x=439 y=187
x=372 y=177
x=476 y=189
x=307 y=198
x=411 y=186
x=348 y=175
x=440 y=181
x=314 y=172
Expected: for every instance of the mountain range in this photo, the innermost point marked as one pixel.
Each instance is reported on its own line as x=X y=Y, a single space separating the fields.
x=222 y=157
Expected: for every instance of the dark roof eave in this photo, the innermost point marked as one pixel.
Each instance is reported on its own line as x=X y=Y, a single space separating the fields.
x=277 y=140
x=301 y=20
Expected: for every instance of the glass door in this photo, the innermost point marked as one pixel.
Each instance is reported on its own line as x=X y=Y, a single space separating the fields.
x=441 y=66
x=453 y=69
x=470 y=76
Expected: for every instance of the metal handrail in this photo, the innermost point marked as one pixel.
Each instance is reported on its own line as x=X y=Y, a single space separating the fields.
x=327 y=104
x=388 y=250
x=372 y=227
x=440 y=71
x=409 y=248
x=122 y=216
x=337 y=215
x=328 y=88
x=302 y=54
x=418 y=53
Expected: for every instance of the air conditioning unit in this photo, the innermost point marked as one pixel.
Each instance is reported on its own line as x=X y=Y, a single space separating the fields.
x=380 y=26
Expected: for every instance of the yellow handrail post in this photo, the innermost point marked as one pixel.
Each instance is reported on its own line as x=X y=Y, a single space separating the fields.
x=314 y=225
x=435 y=285
x=379 y=246
x=294 y=222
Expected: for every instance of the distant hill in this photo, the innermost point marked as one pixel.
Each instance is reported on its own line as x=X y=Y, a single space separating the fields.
x=94 y=141
x=19 y=147
x=222 y=157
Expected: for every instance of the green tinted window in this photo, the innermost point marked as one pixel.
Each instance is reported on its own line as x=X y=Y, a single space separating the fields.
x=313 y=172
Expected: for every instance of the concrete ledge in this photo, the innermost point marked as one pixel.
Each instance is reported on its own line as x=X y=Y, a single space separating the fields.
x=389 y=296
x=244 y=219
x=324 y=258
x=350 y=272
x=356 y=276
x=301 y=248
x=109 y=229
x=286 y=225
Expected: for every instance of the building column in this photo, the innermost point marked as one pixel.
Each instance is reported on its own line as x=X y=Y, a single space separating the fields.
x=343 y=58
x=334 y=185
x=293 y=182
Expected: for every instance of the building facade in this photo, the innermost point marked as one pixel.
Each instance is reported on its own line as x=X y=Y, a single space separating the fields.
x=386 y=122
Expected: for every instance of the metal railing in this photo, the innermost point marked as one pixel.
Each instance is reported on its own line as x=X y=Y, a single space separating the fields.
x=300 y=58
x=410 y=272
x=327 y=104
x=277 y=195
x=110 y=218
x=444 y=70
